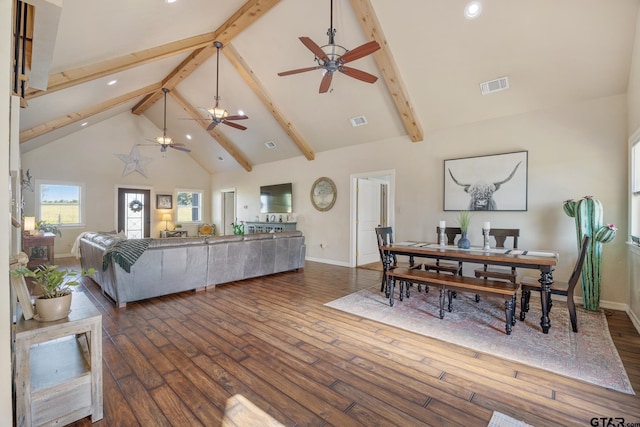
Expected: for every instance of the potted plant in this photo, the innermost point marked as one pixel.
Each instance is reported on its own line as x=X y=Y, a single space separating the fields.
x=464 y=218
x=55 y=284
x=47 y=227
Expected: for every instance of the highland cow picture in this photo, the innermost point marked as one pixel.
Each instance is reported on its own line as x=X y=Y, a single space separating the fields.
x=495 y=182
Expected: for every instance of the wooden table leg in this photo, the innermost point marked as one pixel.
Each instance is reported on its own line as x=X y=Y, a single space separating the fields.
x=545 y=298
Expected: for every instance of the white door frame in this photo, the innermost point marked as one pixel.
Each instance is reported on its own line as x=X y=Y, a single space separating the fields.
x=391 y=173
x=223 y=206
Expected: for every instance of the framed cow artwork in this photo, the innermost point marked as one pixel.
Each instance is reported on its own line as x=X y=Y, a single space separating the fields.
x=496 y=182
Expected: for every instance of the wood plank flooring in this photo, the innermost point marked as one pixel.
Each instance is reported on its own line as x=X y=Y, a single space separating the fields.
x=268 y=349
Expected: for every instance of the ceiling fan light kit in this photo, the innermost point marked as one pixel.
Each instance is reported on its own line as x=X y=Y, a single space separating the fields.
x=218 y=114
x=165 y=141
x=332 y=57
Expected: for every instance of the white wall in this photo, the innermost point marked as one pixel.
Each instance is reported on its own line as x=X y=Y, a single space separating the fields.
x=574 y=151
x=88 y=157
x=6 y=418
x=633 y=96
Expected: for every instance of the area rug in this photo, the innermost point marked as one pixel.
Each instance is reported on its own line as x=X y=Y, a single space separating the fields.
x=588 y=355
x=499 y=419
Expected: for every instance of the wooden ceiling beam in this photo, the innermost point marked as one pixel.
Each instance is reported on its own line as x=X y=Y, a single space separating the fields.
x=250 y=78
x=250 y=12
x=76 y=76
x=215 y=133
x=54 y=124
x=391 y=75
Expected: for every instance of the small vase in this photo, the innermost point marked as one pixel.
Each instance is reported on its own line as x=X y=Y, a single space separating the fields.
x=464 y=243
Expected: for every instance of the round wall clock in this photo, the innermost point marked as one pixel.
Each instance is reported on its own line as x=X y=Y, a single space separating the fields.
x=323 y=194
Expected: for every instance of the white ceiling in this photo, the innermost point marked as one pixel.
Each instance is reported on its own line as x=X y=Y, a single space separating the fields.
x=554 y=52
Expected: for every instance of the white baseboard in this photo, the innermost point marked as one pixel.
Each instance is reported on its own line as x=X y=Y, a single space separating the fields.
x=328 y=261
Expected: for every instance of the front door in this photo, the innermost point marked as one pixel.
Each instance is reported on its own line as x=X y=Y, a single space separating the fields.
x=134 y=212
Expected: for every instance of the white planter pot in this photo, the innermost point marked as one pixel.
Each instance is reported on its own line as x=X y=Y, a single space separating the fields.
x=50 y=309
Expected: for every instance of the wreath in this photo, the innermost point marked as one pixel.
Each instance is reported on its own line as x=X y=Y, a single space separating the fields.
x=136 y=205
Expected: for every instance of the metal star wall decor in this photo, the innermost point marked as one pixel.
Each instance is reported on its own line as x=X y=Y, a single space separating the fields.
x=134 y=162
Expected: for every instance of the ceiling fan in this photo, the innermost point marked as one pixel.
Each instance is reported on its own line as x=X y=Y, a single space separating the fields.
x=217 y=114
x=164 y=140
x=332 y=57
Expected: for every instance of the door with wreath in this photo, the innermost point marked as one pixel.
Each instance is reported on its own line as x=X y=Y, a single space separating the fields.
x=134 y=212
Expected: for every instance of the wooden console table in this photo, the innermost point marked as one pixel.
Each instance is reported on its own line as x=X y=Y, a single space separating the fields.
x=46 y=240
x=58 y=374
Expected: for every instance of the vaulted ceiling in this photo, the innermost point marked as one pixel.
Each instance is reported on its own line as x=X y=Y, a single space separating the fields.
x=430 y=66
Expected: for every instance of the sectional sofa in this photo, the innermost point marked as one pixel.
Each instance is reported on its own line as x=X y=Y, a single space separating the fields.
x=178 y=264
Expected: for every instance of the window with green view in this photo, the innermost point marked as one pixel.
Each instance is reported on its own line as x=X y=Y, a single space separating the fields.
x=189 y=206
x=60 y=203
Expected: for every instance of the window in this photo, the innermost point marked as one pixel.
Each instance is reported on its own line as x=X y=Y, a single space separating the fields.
x=59 y=203
x=189 y=206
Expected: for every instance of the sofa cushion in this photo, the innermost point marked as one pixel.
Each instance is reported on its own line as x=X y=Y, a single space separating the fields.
x=224 y=239
x=175 y=241
x=259 y=236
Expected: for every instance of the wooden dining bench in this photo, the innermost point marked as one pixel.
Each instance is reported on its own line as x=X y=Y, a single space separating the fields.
x=448 y=282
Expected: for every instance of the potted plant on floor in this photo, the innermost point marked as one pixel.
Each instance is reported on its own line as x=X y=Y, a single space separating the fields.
x=55 y=284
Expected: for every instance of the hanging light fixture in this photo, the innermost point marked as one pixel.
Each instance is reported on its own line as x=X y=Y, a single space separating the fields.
x=164 y=139
x=216 y=112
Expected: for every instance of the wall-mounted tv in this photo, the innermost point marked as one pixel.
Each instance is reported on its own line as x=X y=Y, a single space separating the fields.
x=276 y=198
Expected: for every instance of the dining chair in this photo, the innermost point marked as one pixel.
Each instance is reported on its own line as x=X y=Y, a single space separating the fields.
x=384 y=236
x=444 y=266
x=529 y=284
x=492 y=272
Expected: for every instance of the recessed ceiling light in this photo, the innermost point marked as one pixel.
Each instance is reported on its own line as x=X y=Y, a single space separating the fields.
x=472 y=10
x=240 y=113
x=84 y=124
x=112 y=82
x=188 y=136
x=169 y=1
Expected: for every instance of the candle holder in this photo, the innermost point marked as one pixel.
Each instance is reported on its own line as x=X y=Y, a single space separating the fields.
x=485 y=233
x=442 y=240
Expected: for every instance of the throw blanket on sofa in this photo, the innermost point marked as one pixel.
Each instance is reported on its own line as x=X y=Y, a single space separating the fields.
x=125 y=253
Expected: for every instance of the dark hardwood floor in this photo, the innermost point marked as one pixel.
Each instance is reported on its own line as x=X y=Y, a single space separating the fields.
x=180 y=360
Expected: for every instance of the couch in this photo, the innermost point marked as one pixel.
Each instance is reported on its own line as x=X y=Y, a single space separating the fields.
x=180 y=264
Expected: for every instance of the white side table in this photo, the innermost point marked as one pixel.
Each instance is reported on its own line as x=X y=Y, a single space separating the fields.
x=58 y=374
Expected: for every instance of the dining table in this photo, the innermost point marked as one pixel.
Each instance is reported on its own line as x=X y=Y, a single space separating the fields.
x=541 y=260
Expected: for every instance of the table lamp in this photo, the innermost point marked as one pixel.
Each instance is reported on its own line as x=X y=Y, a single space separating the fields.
x=166 y=218
x=29 y=225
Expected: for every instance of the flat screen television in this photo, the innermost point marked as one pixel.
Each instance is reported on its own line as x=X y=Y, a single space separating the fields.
x=276 y=198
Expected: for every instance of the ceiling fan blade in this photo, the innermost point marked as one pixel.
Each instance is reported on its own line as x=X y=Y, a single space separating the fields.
x=313 y=47
x=326 y=82
x=299 y=70
x=186 y=150
x=234 y=125
x=243 y=117
x=358 y=74
x=212 y=125
x=359 y=52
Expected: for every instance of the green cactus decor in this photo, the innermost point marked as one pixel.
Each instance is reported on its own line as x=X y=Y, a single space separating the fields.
x=237 y=228
x=588 y=216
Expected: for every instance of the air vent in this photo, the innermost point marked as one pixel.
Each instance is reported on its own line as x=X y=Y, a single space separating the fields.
x=496 y=85
x=358 y=121
x=270 y=144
